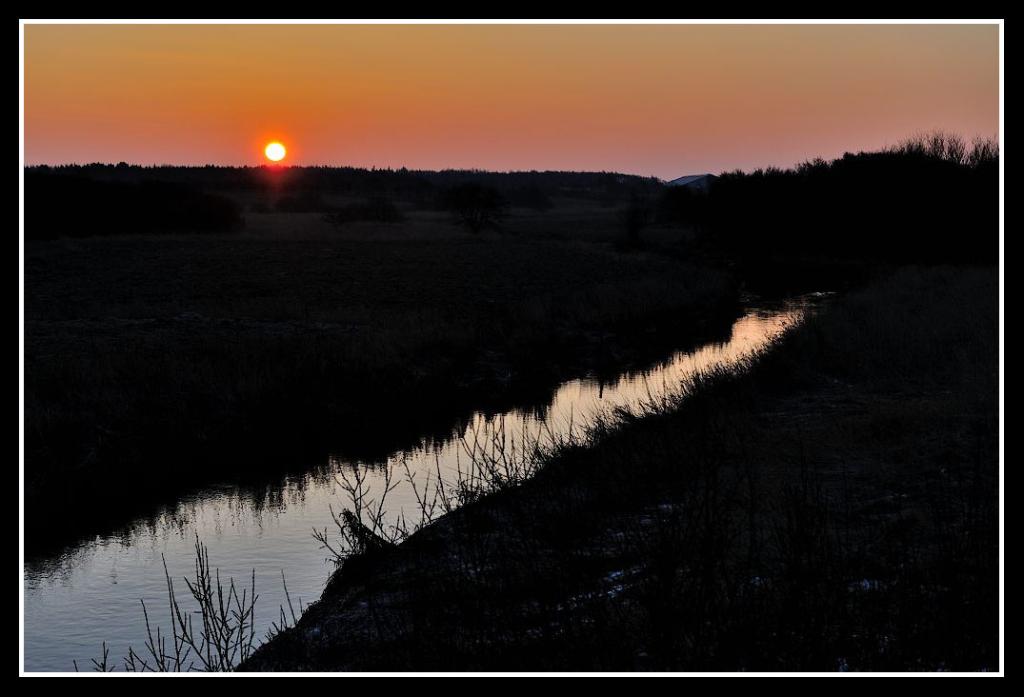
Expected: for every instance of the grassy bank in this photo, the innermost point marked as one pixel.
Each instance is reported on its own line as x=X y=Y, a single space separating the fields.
x=157 y=364
x=832 y=507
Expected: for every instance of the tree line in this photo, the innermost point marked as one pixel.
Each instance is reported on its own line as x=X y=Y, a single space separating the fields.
x=932 y=198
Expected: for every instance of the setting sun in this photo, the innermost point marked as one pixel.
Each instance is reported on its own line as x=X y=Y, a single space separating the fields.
x=275 y=152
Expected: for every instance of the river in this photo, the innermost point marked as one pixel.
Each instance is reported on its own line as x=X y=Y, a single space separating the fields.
x=91 y=594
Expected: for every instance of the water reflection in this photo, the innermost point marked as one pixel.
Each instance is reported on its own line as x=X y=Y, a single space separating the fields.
x=91 y=594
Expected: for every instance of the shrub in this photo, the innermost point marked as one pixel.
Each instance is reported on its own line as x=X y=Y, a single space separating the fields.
x=474 y=205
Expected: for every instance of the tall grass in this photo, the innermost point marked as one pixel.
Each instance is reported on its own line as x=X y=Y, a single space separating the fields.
x=214 y=358
x=831 y=506
x=214 y=633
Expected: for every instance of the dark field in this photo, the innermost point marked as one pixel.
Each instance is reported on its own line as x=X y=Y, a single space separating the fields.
x=156 y=364
x=830 y=508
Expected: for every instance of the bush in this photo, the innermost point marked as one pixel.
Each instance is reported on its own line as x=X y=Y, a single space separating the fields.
x=474 y=205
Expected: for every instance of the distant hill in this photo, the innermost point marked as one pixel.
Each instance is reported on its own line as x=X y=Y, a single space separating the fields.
x=695 y=182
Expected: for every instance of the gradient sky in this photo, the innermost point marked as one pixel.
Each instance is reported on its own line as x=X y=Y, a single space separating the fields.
x=664 y=100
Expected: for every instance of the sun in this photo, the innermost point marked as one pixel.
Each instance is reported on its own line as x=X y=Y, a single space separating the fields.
x=274 y=151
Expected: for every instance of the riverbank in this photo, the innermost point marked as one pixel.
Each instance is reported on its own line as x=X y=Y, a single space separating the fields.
x=834 y=506
x=157 y=365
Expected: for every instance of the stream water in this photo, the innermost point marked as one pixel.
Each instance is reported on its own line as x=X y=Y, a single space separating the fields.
x=90 y=594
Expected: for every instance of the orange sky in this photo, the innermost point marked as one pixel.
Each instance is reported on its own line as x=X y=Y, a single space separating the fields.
x=662 y=100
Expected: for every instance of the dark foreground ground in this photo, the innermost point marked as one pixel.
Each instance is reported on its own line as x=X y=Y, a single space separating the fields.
x=833 y=508
x=156 y=365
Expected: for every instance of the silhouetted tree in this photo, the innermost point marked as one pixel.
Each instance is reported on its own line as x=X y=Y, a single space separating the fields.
x=474 y=205
x=422 y=188
x=930 y=199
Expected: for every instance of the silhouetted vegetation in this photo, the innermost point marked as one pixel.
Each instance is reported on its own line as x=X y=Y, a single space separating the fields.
x=98 y=199
x=474 y=205
x=529 y=189
x=830 y=507
x=932 y=199
x=682 y=204
x=72 y=205
x=213 y=632
x=235 y=356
